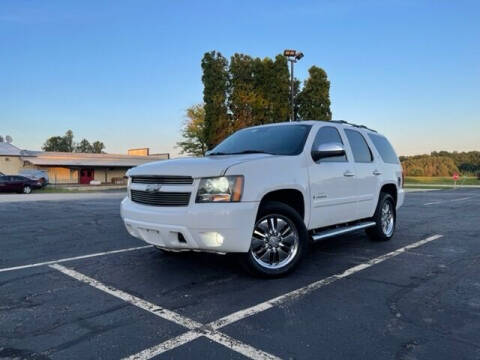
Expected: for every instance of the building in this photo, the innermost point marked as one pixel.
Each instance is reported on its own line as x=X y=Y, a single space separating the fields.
x=73 y=168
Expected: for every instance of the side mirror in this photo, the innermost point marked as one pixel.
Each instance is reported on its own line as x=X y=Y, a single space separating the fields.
x=327 y=150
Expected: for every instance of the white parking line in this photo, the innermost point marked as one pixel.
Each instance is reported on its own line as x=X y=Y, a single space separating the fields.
x=74 y=258
x=445 y=201
x=242 y=314
x=211 y=330
x=172 y=316
x=136 y=301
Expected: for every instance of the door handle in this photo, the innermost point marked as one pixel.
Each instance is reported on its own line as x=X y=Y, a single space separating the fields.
x=348 y=173
x=376 y=172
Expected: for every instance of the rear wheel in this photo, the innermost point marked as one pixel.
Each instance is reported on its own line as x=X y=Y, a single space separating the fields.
x=27 y=189
x=279 y=241
x=385 y=218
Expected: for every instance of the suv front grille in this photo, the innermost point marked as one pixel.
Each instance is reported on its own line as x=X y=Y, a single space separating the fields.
x=163 y=179
x=160 y=198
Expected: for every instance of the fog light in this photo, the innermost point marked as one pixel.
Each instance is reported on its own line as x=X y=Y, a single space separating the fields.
x=212 y=238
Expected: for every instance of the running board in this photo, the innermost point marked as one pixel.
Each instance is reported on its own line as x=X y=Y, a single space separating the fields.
x=338 y=231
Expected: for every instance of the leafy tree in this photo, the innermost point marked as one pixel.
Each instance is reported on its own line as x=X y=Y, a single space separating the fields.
x=98 y=147
x=60 y=143
x=194 y=135
x=314 y=99
x=215 y=82
x=66 y=144
x=68 y=138
x=84 y=146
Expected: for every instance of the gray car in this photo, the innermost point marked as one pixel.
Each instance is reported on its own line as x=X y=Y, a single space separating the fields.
x=36 y=175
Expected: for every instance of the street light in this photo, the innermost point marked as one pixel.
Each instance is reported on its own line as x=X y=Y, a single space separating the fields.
x=293 y=56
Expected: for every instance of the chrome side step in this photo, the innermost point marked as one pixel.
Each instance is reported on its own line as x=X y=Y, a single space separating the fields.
x=342 y=230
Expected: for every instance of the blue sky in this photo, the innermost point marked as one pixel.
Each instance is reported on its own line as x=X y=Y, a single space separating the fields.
x=123 y=72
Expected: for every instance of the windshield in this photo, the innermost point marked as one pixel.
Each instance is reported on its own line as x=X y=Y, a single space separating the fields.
x=275 y=140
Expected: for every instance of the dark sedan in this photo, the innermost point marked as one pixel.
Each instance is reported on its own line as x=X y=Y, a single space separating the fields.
x=19 y=184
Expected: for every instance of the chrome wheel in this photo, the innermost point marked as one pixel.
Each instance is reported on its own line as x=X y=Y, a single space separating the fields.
x=27 y=189
x=275 y=242
x=387 y=218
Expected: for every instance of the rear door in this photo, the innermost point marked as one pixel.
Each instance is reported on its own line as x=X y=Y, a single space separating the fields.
x=367 y=179
x=332 y=184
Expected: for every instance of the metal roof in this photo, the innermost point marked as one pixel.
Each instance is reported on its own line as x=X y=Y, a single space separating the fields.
x=7 y=149
x=85 y=160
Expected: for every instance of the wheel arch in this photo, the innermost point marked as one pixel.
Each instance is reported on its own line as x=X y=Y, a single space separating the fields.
x=289 y=196
x=390 y=189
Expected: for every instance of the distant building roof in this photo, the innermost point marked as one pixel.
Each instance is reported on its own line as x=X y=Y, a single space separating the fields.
x=84 y=160
x=7 y=149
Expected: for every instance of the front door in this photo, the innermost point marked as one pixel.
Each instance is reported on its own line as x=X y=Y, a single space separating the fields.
x=332 y=184
x=86 y=175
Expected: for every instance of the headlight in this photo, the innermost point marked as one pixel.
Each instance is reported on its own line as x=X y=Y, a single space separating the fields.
x=220 y=189
x=129 y=183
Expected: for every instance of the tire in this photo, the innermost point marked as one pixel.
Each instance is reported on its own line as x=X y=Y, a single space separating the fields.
x=385 y=218
x=27 y=189
x=279 y=241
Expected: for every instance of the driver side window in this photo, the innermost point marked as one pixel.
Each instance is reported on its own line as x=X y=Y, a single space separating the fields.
x=325 y=135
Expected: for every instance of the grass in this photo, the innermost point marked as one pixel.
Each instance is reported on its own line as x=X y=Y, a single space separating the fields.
x=440 y=180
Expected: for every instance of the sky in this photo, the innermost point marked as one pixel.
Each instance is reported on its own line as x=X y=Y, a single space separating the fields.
x=124 y=72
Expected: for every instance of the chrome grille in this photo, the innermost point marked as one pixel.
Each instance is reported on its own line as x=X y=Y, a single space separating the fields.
x=160 y=198
x=163 y=179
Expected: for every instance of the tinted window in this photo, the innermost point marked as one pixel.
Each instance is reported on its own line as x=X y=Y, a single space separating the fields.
x=360 y=149
x=329 y=134
x=384 y=148
x=278 y=140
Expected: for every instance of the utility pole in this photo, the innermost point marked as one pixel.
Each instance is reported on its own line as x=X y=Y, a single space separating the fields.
x=293 y=56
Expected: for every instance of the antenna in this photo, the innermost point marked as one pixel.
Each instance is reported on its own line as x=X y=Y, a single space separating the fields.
x=9 y=139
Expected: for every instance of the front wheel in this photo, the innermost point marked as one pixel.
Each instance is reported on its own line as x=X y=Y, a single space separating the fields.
x=385 y=218
x=27 y=189
x=279 y=241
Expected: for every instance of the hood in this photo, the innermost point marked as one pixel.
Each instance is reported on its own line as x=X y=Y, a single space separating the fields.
x=195 y=166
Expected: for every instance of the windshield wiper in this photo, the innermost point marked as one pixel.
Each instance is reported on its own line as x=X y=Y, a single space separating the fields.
x=217 y=153
x=241 y=152
x=252 y=152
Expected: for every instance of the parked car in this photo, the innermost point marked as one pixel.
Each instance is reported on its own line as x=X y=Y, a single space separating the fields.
x=33 y=174
x=19 y=184
x=267 y=192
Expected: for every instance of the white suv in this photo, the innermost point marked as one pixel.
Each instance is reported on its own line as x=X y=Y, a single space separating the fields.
x=267 y=192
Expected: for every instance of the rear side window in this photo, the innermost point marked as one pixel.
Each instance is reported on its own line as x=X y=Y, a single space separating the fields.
x=360 y=149
x=329 y=134
x=384 y=148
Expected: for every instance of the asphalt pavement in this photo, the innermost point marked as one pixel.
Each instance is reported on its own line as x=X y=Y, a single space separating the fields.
x=75 y=285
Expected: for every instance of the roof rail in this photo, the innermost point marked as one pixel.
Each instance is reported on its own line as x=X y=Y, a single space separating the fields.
x=351 y=124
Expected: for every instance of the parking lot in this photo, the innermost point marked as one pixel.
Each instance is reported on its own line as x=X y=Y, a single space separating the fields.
x=75 y=285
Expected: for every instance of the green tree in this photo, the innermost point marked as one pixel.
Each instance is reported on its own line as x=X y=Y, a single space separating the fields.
x=60 y=143
x=215 y=81
x=84 y=146
x=194 y=135
x=66 y=144
x=98 y=147
x=314 y=99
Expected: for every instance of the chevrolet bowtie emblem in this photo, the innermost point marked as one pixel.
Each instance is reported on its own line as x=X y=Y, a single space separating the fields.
x=153 y=188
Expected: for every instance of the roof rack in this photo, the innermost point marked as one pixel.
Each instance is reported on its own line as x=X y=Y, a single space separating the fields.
x=351 y=124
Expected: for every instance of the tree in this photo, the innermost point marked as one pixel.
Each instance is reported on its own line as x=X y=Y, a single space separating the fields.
x=60 y=143
x=98 y=147
x=193 y=132
x=314 y=99
x=66 y=144
x=84 y=146
x=215 y=82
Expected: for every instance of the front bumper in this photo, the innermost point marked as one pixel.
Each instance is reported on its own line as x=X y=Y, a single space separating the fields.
x=217 y=227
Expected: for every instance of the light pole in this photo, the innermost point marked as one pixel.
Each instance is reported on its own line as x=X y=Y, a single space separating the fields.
x=293 y=56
